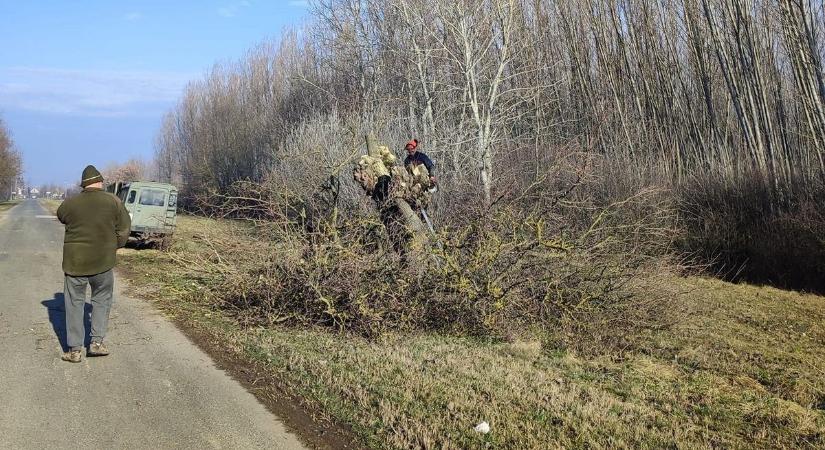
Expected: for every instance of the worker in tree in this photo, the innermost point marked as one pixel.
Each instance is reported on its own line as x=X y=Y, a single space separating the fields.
x=415 y=157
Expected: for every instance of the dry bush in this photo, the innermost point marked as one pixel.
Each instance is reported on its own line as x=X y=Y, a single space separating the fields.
x=511 y=269
x=554 y=251
x=756 y=231
x=590 y=283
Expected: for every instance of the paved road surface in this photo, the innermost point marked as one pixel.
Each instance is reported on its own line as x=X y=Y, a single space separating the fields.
x=156 y=389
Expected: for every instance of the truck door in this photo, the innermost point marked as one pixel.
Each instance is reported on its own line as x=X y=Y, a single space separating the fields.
x=150 y=212
x=129 y=200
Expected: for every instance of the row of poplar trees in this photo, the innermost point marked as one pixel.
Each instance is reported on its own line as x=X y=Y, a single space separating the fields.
x=661 y=88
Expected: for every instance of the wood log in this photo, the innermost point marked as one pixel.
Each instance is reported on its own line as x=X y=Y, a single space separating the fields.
x=396 y=210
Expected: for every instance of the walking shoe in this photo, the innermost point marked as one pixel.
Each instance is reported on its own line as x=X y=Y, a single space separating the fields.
x=72 y=356
x=97 y=349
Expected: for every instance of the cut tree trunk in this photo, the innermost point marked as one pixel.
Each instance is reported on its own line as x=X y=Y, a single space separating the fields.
x=397 y=212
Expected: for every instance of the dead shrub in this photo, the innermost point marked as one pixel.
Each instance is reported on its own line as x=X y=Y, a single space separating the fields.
x=752 y=229
x=590 y=283
x=515 y=268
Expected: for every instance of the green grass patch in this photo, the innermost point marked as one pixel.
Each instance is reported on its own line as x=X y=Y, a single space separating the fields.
x=746 y=369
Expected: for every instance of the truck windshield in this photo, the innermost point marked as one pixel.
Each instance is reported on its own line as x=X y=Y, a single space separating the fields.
x=152 y=197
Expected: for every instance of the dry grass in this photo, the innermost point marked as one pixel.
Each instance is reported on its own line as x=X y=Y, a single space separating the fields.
x=5 y=206
x=51 y=205
x=745 y=370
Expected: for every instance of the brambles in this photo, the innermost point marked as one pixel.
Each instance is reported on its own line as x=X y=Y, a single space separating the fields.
x=753 y=232
x=523 y=266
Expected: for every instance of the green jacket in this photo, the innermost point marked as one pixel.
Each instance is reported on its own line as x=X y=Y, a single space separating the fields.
x=97 y=224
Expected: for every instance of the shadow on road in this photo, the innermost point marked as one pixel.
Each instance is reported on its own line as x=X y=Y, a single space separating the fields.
x=57 y=316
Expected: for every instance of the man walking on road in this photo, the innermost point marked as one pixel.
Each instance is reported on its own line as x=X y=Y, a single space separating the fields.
x=97 y=224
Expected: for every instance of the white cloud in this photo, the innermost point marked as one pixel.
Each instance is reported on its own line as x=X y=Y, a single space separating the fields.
x=133 y=16
x=89 y=92
x=233 y=9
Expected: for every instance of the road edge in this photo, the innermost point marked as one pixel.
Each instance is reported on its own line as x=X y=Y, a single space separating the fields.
x=311 y=428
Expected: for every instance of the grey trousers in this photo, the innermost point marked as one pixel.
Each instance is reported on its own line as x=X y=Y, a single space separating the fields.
x=74 y=296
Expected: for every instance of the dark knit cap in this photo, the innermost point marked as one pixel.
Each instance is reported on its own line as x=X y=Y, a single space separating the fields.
x=90 y=176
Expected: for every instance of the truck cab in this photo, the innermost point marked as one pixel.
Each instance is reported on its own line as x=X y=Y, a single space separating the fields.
x=152 y=207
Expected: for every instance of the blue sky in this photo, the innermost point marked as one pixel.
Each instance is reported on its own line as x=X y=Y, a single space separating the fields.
x=87 y=82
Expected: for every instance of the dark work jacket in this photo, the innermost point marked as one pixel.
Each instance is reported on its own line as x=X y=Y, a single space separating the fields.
x=97 y=224
x=420 y=158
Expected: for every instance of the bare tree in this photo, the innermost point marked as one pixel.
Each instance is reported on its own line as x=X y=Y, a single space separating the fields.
x=132 y=170
x=665 y=89
x=10 y=163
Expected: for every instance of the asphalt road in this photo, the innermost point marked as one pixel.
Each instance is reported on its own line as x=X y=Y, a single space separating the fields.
x=156 y=389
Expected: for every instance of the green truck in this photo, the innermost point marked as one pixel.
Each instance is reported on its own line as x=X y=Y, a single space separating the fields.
x=152 y=207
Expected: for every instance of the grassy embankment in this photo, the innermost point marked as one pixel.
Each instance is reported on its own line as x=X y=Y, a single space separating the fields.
x=5 y=206
x=746 y=370
x=51 y=205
